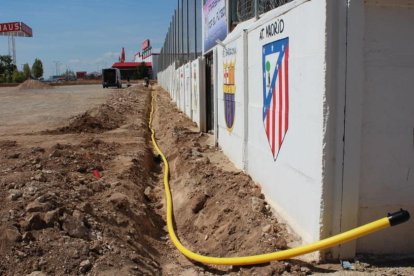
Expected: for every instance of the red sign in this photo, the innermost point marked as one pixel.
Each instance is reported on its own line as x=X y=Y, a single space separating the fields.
x=9 y=27
x=16 y=27
x=26 y=29
x=81 y=75
x=145 y=44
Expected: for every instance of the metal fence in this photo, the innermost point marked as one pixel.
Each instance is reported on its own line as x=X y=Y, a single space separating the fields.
x=183 y=41
x=247 y=9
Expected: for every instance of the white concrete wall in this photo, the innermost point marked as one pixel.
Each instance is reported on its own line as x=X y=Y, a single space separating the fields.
x=181 y=89
x=292 y=179
x=387 y=146
x=185 y=86
x=195 y=91
x=347 y=154
x=176 y=84
x=187 y=89
x=231 y=133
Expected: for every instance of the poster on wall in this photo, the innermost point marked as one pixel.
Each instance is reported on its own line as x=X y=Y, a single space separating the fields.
x=181 y=94
x=194 y=104
x=229 y=86
x=187 y=89
x=176 y=86
x=275 y=70
x=214 y=23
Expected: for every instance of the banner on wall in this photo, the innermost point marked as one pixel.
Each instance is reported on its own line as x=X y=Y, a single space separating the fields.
x=195 y=92
x=180 y=92
x=177 y=86
x=275 y=65
x=229 y=85
x=215 y=22
x=187 y=89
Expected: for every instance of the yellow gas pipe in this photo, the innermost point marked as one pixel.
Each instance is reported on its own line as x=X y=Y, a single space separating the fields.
x=391 y=220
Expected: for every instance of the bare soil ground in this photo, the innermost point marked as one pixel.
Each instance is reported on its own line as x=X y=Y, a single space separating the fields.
x=81 y=193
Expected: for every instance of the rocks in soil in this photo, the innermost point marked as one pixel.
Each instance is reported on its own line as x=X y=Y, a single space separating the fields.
x=147 y=192
x=258 y=205
x=74 y=226
x=266 y=228
x=98 y=186
x=40 y=177
x=119 y=200
x=14 y=194
x=8 y=144
x=51 y=217
x=198 y=203
x=27 y=237
x=11 y=235
x=33 y=222
x=37 y=273
x=36 y=206
x=85 y=266
x=306 y=270
x=13 y=156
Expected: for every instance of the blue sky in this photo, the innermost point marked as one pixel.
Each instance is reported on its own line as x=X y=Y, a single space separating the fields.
x=85 y=35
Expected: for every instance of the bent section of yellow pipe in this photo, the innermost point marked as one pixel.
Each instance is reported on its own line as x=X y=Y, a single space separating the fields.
x=262 y=258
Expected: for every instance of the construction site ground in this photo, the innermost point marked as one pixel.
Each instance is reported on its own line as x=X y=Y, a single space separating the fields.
x=81 y=192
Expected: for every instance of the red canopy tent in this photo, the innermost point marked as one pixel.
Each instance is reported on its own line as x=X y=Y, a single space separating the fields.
x=129 y=65
x=129 y=68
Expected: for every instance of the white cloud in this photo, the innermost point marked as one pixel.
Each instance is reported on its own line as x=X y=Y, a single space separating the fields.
x=74 y=61
x=93 y=64
x=111 y=54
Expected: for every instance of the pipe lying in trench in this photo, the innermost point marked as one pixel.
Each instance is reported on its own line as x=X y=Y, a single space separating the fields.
x=391 y=220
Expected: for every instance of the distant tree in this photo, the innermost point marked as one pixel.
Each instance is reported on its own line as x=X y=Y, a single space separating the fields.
x=7 y=68
x=26 y=71
x=37 y=68
x=69 y=75
x=143 y=71
x=18 y=76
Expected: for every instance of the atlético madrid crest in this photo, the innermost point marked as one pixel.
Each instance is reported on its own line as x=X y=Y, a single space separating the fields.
x=275 y=63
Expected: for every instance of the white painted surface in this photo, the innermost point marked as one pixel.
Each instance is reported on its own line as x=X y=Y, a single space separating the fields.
x=195 y=91
x=187 y=89
x=185 y=86
x=230 y=137
x=319 y=184
x=347 y=109
x=293 y=182
x=176 y=83
x=387 y=159
x=181 y=89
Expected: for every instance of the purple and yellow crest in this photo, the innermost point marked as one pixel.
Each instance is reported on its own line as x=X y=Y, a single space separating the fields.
x=229 y=90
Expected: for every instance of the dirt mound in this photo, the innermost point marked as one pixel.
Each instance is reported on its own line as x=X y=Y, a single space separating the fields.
x=80 y=207
x=7 y=144
x=63 y=211
x=33 y=84
x=108 y=116
x=97 y=120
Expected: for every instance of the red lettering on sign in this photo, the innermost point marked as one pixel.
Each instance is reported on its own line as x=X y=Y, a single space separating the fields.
x=10 y=27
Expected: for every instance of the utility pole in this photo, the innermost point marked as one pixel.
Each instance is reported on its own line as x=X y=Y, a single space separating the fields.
x=12 y=48
x=57 y=64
